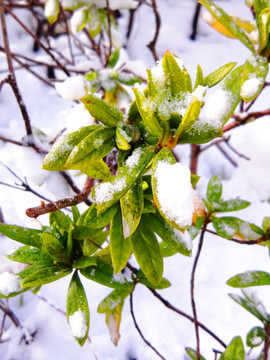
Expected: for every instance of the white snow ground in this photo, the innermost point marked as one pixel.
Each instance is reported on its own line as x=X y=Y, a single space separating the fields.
x=220 y=258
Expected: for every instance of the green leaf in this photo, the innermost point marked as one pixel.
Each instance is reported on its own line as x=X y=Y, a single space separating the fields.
x=77 y=310
x=250 y=278
x=263 y=27
x=148 y=116
x=252 y=304
x=164 y=283
x=93 y=147
x=93 y=244
x=62 y=221
x=110 y=191
x=193 y=354
x=166 y=249
x=216 y=76
x=255 y=72
x=83 y=262
x=75 y=213
x=23 y=235
x=46 y=274
x=53 y=247
x=132 y=204
x=231 y=205
x=114 y=56
x=255 y=336
x=103 y=274
x=122 y=139
x=120 y=246
x=259 y=6
x=235 y=350
x=266 y=224
x=191 y=115
x=228 y=22
x=92 y=220
x=199 y=77
x=147 y=252
x=214 y=189
x=61 y=149
x=83 y=232
x=176 y=82
x=102 y=111
x=29 y=255
x=230 y=226
x=176 y=239
x=115 y=298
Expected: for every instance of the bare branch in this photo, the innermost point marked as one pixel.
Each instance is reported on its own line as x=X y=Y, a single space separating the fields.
x=139 y=330
x=195 y=22
x=152 y=44
x=63 y=203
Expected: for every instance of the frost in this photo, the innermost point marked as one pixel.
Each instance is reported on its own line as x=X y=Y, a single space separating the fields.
x=119 y=278
x=78 y=324
x=168 y=106
x=72 y=88
x=218 y=107
x=250 y=87
x=105 y=191
x=158 y=74
x=174 y=192
x=134 y=158
x=9 y=283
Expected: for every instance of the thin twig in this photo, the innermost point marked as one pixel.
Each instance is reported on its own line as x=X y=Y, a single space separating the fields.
x=242 y=120
x=195 y=22
x=182 y=313
x=152 y=44
x=63 y=203
x=139 y=330
x=109 y=32
x=192 y=287
x=227 y=156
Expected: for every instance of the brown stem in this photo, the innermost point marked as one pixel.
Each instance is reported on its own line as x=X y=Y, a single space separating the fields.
x=63 y=203
x=266 y=342
x=192 y=287
x=195 y=152
x=227 y=156
x=152 y=44
x=240 y=241
x=182 y=313
x=109 y=32
x=139 y=330
x=239 y=120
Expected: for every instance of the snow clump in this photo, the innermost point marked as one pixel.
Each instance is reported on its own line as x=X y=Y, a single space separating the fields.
x=175 y=194
x=78 y=324
x=9 y=283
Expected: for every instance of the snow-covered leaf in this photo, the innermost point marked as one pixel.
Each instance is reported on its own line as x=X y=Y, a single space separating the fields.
x=102 y=111
x=255 y=336
x=147 y=252
x=228 y=22
x=229 y=226
x=132 y=205
x=10 y=285
x=119 y=245
x=250 y=278
x=252 y=304
x=61 y=149
x=214 y=189
x=255 y=72
x=235 y=350
x=110 y=191
x=172 y=190
x=21 y=234
x=51 y=10
x=78 y=316
x=259 y=6
x=216 y=76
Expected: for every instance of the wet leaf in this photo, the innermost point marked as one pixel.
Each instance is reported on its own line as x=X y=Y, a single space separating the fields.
x=249 y=278
x=29 y=255
x=52 y=246
x=91 y=219
x=216 y=76
x=23 y=235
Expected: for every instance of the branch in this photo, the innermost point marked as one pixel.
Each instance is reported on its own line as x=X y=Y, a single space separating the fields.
x=240 y=241
x=152 y=44
x=195 y=22
x=139 y=330
x=63 y=203
x=240 y=120
x=109 y=33
x=192 y=285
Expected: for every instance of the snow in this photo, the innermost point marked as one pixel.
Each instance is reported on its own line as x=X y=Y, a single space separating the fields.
x=219 y=260
x=174 y=193
x=250 y=87
x=78 y=324
x=133 y=159
x=72 y=88
x=9 y=283
x=105 y=191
